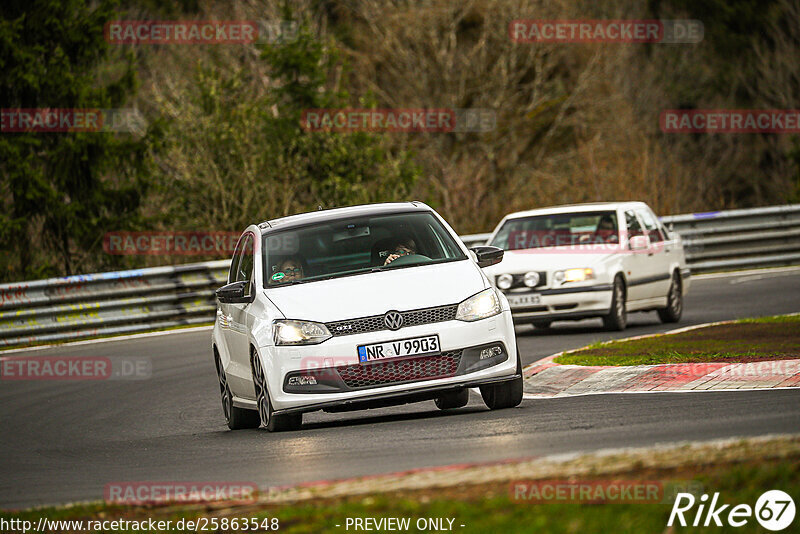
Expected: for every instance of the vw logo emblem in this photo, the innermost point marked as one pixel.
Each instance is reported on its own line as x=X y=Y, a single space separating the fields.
x=393 y=320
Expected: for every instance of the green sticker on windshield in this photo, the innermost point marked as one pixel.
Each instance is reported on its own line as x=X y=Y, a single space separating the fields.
x=277 y=276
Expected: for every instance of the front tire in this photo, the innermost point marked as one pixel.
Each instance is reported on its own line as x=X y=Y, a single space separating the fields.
x=505 y=394
x=672 y=313
x=453 y=399
x=236 y=418
x=617 y=318
x=266 y=415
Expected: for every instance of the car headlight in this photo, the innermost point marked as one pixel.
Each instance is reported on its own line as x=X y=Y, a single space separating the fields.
x=531 y=279
x=479 y=306
x=504 y=281
x=291 y=332
x=575 y=275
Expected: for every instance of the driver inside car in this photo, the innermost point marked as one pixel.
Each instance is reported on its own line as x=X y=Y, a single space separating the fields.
x=404 y=247
x=288 y=270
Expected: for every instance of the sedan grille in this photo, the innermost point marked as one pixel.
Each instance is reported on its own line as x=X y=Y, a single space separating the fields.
x=375 y=323
x=399 y=371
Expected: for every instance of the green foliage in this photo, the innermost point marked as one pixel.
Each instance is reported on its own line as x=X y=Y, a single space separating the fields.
x=250 y=158
x=61 y=191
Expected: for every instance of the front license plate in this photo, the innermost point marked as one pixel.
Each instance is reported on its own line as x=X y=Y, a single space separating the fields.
x=413 y=346
x=530 y=299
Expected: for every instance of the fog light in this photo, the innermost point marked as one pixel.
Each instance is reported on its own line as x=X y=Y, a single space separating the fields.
x=302 y=380
x=504 y=281
x=531 y=279
x=491 y=352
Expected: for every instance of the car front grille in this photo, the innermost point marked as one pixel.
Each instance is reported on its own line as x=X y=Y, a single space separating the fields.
x=391 y=372
x=375 y=323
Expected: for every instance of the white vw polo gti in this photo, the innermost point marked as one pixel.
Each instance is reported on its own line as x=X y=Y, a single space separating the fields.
x=359 y=307
x=589 y=260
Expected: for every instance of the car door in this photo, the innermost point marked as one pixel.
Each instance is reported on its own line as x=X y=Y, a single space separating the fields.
x=224 y=309
x=657 y=257
x=637 y=266
x=239 y=373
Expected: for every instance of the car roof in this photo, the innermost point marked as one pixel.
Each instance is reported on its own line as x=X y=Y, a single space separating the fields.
x=570 y=208
x=325 y=215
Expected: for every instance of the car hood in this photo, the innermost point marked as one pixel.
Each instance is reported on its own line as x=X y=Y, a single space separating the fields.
x=545 y=259
x=376 y=293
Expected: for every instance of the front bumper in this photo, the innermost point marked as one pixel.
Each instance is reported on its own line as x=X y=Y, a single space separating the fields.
x=565 y=303
x=365 y=381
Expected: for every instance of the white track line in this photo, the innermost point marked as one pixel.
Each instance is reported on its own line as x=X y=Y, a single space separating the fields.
x=534 y=396
x=191 y=329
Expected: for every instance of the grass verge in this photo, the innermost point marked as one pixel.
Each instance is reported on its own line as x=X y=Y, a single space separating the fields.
x=748 y=340
x=739 y=470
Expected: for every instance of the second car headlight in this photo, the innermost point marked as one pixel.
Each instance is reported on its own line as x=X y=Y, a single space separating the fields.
x=291 y=332
x=479 y=306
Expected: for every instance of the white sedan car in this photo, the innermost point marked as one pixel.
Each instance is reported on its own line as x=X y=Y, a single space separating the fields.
x=360 y=307
x=589 y=260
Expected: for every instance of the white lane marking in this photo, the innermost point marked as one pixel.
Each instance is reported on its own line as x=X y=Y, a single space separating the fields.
x=107 y=339
x=534 y=396
x=734 y=274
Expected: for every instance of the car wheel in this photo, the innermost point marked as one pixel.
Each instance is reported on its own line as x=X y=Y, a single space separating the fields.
x=237 y=418
x=672 y=313
x=617 y=317
x=505 y=394
x=267 y=417
x=453 y=399
x=542 y=325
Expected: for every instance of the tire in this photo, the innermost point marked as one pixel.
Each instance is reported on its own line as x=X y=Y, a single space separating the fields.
x=266 y=415
x=236 y=418
x=542 y=325
x=453 y=399
x=672 y=313
x=617 y=318
x=505 y=394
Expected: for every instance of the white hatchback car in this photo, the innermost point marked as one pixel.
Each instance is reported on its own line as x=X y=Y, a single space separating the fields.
x=360 y=307
x=589 y=260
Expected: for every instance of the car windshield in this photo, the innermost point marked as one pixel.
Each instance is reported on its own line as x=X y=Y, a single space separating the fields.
x=355 y=245
x=558 y=229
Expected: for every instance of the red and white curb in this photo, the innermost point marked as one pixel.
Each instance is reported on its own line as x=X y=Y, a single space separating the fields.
x=545 y=378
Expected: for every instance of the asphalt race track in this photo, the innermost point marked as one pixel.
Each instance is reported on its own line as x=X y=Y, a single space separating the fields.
x=64 y=441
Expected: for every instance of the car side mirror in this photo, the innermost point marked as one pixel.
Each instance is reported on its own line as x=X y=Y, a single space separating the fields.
x=234 y=293
x=487 y=255
x=639 y=242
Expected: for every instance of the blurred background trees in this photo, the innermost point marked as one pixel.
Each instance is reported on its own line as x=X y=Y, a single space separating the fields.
x=575 y=122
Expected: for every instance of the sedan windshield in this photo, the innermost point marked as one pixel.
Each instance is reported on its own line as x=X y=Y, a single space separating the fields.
x=355 y=245
x=561 y=229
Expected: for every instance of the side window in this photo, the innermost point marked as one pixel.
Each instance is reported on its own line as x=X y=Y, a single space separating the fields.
x=237 y=257
x=244 y=269
x=632 y=224
x=651 y=225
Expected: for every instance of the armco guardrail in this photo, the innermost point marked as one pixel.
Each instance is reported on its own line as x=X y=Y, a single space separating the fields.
x=92 y=305
x=113 y=303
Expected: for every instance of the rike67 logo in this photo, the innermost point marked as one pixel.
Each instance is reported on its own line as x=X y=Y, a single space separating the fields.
x=774 y=510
